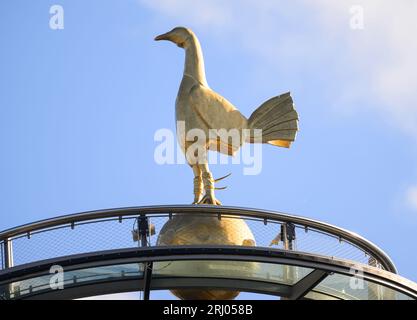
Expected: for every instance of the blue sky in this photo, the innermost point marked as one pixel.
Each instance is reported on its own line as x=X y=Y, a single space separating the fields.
x=79 y=108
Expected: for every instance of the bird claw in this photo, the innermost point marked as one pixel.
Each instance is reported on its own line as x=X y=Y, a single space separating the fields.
x=209 y=197
x=224 y=177
x=210 y=200
x=197 y=199
x=220 y=188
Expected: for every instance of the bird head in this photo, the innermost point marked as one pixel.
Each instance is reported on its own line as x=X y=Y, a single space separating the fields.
x=179 y=35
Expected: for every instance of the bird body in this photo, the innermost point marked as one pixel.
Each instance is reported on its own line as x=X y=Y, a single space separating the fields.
x=223 y=127
x=200 y=107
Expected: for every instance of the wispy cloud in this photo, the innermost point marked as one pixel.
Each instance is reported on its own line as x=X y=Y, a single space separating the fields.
x=205 y=13
x=411 y=197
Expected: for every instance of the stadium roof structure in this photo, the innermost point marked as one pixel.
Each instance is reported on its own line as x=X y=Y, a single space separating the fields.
x=116 y=250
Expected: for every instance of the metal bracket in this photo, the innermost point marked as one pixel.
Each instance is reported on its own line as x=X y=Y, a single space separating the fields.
x=8 y=253
x=143 y=231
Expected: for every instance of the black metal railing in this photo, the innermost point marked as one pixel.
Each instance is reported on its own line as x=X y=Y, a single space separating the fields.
x=112 y=229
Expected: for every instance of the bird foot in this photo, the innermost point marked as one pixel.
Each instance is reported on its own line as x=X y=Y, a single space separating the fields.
x=207 y=199
x=196 y=201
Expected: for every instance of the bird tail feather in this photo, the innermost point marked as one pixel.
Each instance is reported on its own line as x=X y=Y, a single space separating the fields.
x=278 y=121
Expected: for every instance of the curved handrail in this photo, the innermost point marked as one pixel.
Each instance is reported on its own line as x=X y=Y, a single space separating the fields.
x=349 y=236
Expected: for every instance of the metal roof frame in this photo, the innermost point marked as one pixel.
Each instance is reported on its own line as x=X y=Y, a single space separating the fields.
x=322 y=267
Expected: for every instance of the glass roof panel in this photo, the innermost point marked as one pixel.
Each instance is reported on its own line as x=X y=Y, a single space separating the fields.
x=51 y=281
x=259 y=271
x=355 y=288
x=313 y=295
x=334 y=286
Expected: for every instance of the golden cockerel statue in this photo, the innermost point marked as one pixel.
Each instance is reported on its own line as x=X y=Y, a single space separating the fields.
x=199 y=107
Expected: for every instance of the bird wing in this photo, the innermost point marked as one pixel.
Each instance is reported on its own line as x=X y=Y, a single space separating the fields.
x=214 y=110
x=218 y=113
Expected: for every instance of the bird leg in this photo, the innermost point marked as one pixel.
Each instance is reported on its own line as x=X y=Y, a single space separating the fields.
x=198 y=184
x=208 y=183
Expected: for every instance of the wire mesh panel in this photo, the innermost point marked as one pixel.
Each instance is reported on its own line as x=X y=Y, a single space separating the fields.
x=192 y=227
x=232 y=230
x=76 y=239
x=316 y=242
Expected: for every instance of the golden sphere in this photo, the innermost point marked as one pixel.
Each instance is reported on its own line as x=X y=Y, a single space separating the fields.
x=194 y=230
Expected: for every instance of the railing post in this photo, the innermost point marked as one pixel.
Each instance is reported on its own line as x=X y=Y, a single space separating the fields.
x=144 y=230
x=7 y=256
x=287 y=238
x=288 y=235
x=8 y=253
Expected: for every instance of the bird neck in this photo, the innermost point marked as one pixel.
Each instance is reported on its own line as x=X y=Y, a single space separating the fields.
x=194 y=61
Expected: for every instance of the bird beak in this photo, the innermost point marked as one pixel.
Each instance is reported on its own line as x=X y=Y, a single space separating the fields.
x=164 y=36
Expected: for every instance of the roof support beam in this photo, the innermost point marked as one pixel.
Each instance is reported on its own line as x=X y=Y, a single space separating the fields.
x=148 y=266
x=306 y=284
